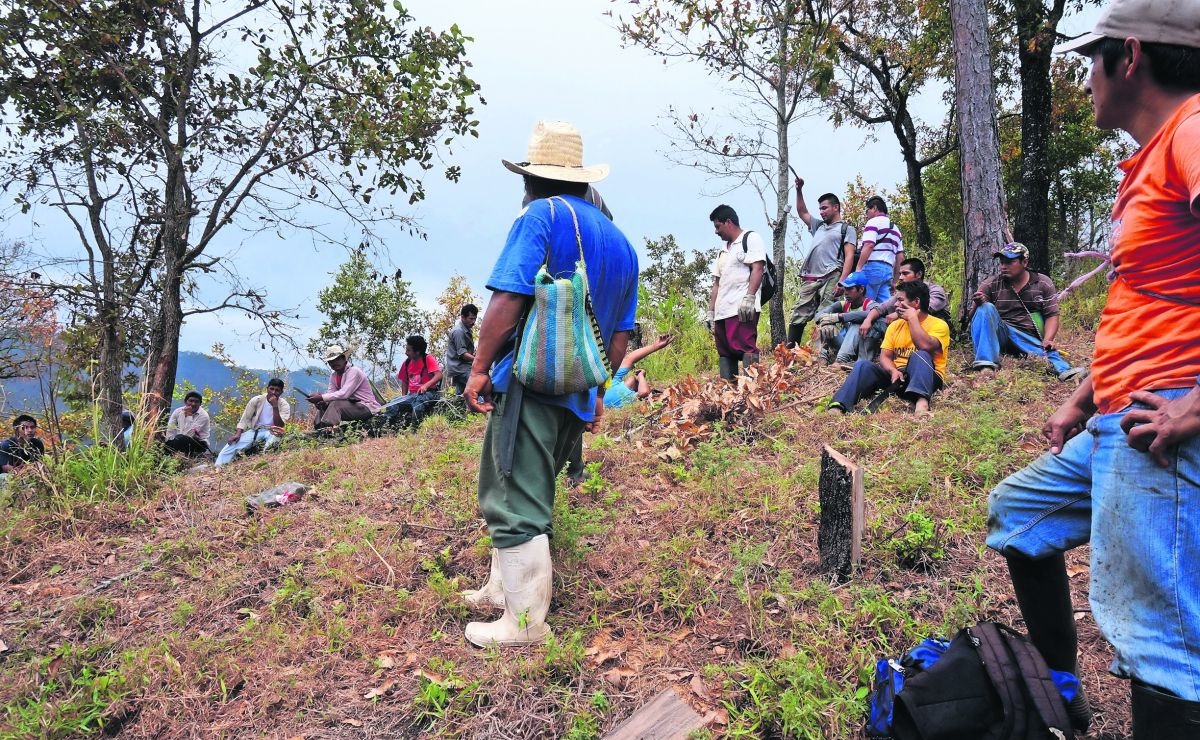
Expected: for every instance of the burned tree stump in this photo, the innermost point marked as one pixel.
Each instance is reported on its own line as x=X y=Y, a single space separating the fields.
x=839 y=538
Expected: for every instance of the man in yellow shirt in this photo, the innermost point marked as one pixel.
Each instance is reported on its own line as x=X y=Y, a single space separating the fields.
x=913 y=356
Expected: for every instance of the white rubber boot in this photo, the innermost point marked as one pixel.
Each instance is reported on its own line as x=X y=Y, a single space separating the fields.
x=491 y=594
x=527 y=575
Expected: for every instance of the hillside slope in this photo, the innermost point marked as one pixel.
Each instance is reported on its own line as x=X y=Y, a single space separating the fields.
x=696 y=568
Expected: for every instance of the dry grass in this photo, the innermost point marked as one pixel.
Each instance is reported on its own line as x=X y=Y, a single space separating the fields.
x=336 y=616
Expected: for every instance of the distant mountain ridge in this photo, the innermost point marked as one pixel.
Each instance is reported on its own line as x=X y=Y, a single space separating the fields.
x=196 y=368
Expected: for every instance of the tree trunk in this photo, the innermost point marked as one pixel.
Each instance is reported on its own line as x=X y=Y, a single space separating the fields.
x=163 y=357
x=108 y=389
x=1036 y=26
x=923 y=238
x=779 y=241
x=782 y=189
x=978 y=143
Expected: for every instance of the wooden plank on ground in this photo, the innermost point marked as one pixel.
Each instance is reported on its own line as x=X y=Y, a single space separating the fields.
x=839 y=538
x=666 y=717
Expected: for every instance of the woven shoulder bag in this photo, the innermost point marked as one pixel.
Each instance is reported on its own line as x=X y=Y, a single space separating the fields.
x=561 y=350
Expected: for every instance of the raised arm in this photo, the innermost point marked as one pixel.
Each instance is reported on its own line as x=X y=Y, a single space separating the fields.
x=801 y=207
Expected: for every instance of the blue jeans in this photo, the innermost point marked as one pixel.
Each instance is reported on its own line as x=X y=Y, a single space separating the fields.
x=991 y=336
x=879 y=280
x=920 y=380
x=845 y=345
x=412 y=403
x=1144 y=525
x=248 y=438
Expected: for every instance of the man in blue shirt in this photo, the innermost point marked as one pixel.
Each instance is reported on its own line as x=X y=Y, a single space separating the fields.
x=530 y=434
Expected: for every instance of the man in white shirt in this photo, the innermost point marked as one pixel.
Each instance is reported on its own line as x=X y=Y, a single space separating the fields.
x=188 y=428
x=261 y=423
x=734 y=301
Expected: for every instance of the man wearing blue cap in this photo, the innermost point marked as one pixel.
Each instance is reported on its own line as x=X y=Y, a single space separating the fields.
x=836 y=334
x=1016 y=313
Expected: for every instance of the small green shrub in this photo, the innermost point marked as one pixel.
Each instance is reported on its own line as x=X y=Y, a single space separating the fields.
x=922 y=543
x=73 y=698
x=443 y=693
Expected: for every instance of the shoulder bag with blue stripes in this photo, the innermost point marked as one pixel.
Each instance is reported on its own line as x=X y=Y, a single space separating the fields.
x=561 y=350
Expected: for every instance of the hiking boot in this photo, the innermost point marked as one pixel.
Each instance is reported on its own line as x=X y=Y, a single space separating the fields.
x=1073 y=373
x=983 y=366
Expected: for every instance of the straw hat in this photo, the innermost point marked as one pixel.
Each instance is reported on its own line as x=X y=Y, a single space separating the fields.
x=556 y=153
x=335 y=351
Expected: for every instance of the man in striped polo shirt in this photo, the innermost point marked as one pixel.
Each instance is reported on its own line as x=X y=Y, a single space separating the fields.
x=882 y=250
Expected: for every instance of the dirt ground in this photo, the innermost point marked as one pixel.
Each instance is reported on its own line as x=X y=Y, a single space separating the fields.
x=687 y=559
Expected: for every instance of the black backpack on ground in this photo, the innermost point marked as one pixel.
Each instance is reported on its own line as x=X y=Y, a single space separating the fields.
x=991 y=684
x=770 y=281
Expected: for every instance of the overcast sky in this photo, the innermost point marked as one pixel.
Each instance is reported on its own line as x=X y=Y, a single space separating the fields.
x=535 y=60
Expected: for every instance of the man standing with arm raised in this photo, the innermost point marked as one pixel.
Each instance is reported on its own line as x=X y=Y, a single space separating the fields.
x=829 y=261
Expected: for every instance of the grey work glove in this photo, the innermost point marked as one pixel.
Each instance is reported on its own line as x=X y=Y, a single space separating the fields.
x=828 y=319
x=710 y=319
x=827 y=332
x=747 y=311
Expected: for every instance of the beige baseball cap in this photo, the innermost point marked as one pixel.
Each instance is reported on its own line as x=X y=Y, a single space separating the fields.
x=1149 y=21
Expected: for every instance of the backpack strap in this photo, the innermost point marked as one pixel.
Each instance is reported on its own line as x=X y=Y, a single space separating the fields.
x=1003 y=672
x=1039 y=685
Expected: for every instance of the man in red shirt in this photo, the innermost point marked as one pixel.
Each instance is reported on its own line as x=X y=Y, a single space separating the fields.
x=1131 y=483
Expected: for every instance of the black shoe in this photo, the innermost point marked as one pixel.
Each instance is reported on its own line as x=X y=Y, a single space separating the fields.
x=1158 y=715
x=1079 y=711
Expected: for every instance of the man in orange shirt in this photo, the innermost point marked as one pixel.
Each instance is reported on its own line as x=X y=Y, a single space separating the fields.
x=1131 y=483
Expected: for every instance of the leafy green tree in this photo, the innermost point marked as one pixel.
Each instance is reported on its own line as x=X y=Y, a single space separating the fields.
x=669 y=271
x=1032 y=29
x=28 y=324
x=1081 y=158
x=368 y=312
x=458 y=293
x=154 y=125
x=766 y=51
x=883 y=58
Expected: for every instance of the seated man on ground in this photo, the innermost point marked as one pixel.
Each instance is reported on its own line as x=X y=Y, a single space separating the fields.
x=420 y=380
x=879 y=316
x=188 y=428
x=913 y=357
x=1016 y=313
x=349 y=397
x=261 y=423
x=836 y=335
x=21 y=449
